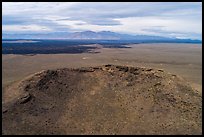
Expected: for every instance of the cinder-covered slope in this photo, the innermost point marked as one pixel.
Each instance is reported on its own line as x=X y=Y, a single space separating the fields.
x=107 y=99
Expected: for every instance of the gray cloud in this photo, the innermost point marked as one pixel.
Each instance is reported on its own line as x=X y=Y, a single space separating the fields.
x=100 y=13
x=159 y=30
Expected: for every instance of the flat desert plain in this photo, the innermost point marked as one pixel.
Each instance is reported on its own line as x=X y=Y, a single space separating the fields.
x=184 y=60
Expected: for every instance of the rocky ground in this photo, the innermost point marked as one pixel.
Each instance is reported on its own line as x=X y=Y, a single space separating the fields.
x=107 y=99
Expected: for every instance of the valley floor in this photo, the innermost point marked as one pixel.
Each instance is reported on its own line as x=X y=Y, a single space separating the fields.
x=184 y=60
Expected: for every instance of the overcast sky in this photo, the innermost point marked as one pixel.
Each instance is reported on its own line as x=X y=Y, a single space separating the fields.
x=175 y=19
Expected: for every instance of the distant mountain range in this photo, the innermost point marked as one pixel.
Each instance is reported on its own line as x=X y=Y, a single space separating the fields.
x=91 y=35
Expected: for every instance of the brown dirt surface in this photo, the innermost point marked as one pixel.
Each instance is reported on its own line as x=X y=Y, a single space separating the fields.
x=108 y=99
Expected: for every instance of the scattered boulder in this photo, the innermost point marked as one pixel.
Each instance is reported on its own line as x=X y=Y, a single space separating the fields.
x=25 y=98
x=122 y=68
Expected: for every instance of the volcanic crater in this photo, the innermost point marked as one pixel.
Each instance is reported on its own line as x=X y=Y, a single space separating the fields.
x=108 y=99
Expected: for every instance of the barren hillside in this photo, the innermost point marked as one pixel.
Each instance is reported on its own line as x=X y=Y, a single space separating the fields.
x=106 y=99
